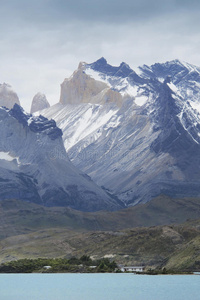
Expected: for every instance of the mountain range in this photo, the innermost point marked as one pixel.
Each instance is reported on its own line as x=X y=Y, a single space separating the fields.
x=120 y=151
x=136 y=135
x=121 y=138
x=35 y=166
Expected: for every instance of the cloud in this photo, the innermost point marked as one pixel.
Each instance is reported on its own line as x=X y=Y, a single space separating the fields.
x=62 y=11
x=43 y=41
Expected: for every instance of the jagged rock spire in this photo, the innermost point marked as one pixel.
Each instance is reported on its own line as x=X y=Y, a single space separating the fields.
x=39 y=103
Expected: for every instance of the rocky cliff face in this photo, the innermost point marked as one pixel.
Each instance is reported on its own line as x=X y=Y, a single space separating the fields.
x=146 y=146
x=82 y=88
x=7 y=96
x=39 y=103
x=34 y=165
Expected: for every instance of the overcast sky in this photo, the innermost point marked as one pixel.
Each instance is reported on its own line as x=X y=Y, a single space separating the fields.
x=42 y=41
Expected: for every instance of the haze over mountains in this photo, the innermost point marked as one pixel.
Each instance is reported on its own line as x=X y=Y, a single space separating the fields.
x=136 y=134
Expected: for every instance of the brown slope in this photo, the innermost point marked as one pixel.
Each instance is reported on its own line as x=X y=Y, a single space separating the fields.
x=18 y=217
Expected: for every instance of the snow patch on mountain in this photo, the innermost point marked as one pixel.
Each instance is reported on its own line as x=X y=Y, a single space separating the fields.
x=141 y=100
x=8 y=157
x=82 y=120
x=195 y=106
x=97 y=76
x=173 y=87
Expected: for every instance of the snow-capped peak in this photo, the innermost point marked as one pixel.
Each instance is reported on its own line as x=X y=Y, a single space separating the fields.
x=175 y=68
x=119 y=78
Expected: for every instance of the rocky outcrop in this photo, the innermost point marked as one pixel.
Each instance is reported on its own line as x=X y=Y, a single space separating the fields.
x=7 y=96
x=82 y=88
x=39 y=103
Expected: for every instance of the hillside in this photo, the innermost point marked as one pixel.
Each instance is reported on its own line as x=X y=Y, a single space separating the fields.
x=19 y=217
x=28 y=230
x=174 y=247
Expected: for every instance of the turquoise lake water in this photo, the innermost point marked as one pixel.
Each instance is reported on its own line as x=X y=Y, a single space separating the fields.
x=98 y=287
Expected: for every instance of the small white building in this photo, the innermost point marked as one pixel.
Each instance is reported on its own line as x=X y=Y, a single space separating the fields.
x=92 y=267
x=47 y=267
x=133 y=269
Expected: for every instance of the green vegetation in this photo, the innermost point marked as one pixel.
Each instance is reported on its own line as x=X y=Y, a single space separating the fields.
x=83 y=264
x=30 y=231
x=175 y=247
